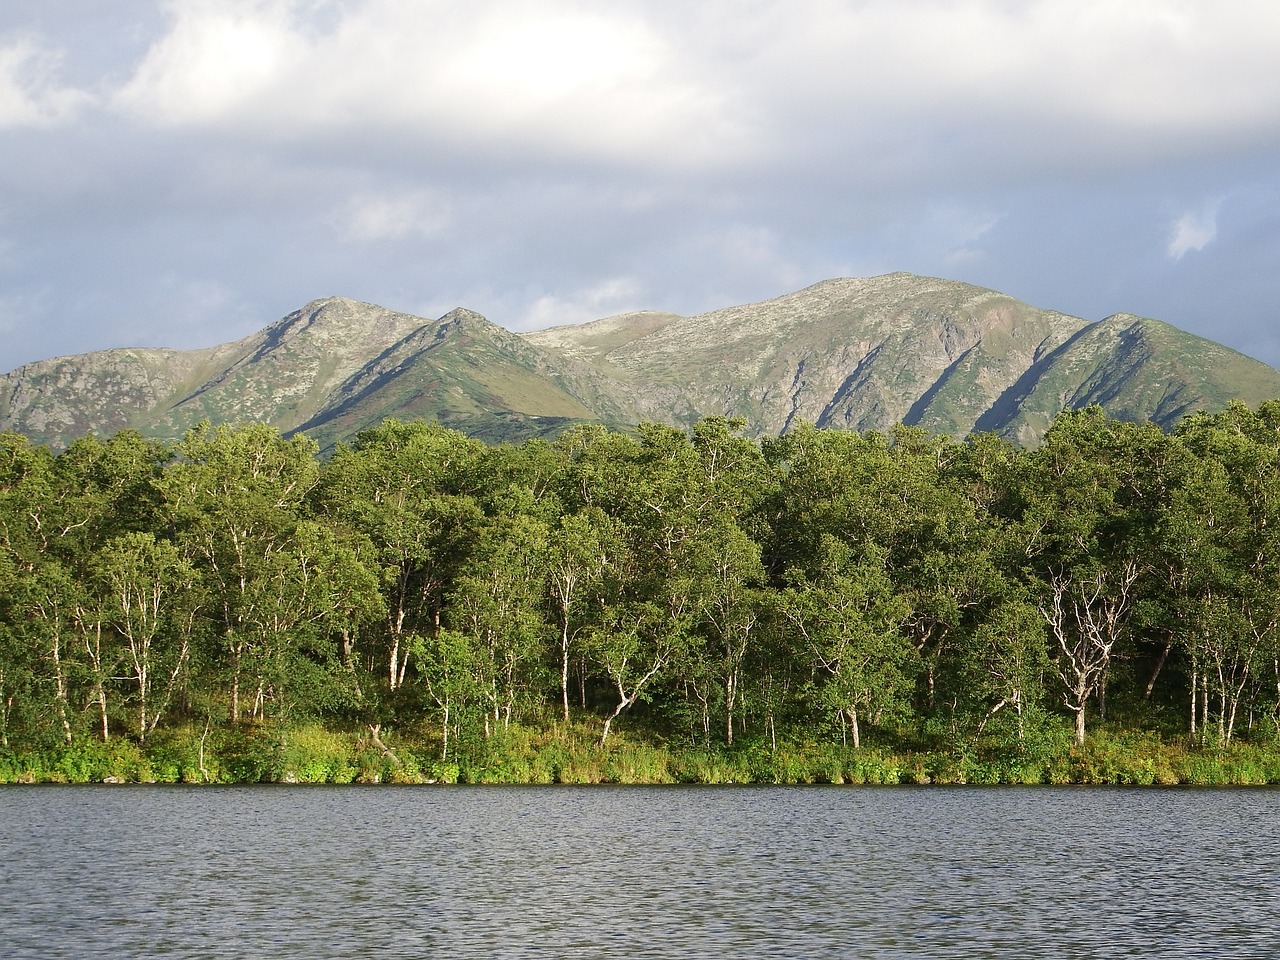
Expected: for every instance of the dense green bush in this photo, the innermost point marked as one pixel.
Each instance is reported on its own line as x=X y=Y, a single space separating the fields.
x=656 y=606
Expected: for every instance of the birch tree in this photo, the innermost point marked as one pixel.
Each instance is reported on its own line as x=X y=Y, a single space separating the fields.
x=402 y=485
x=149 y=598
x=1093 y=494
x=236 y=497
x=850 y=619
x=580 y=554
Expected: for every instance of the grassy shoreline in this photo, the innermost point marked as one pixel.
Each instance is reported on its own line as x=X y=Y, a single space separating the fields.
x=569 y=755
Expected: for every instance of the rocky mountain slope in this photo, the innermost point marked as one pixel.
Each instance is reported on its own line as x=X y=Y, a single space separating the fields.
x=867 y=353
x=850 y=353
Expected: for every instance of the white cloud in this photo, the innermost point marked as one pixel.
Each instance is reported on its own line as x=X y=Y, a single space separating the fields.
x=1143 y=61
x=561 y=76
x=606 y=298
x=964 y=258
x=585 y=158
x=217 y=59
x=12 y=313
x=884 y=88
x=371 y=217
x=959 y=229
x=198 y=310
x=885 y=91
x=29 y=92
x=1194 y=230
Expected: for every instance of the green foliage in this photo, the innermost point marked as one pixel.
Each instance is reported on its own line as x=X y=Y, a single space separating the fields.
x=665 y=607
x=247 y=755
x=314 y=755
x=85 y=762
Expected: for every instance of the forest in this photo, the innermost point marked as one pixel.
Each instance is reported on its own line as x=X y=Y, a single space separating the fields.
x=657 y=605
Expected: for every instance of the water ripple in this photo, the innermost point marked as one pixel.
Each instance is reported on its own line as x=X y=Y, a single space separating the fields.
x=636 y=872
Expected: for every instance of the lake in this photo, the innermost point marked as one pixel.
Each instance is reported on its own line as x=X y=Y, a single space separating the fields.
x=622 y=872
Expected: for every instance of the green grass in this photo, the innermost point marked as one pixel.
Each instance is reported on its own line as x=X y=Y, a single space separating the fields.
x=570 y=754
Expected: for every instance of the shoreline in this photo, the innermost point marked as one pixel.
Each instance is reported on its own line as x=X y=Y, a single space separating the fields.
x=524 y=756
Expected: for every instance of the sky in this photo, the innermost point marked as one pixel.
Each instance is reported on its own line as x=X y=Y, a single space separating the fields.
x=182 y=173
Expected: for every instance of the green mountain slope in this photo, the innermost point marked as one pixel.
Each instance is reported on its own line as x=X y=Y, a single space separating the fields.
x=847 y=353
x=281 y=375
x=1136 y=369
x=869 y=353
x=467 y=373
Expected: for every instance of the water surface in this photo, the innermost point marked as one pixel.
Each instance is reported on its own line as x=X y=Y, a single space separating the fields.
x=681 y=872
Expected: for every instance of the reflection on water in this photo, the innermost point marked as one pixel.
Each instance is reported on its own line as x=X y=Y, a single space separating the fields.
x=718 y=872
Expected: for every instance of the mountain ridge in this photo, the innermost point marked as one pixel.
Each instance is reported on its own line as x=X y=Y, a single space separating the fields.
x=846 y=353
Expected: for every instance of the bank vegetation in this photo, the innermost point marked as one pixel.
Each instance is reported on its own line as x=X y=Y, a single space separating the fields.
x=655 y=606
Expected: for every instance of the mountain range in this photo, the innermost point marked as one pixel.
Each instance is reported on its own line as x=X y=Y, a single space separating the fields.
x=855 y=354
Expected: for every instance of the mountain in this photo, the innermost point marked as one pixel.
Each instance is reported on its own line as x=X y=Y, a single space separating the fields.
x=332 y=368
x=850 y=353
x=868 y=353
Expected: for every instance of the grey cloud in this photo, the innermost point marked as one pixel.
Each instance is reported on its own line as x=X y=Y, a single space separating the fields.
x=712 y=155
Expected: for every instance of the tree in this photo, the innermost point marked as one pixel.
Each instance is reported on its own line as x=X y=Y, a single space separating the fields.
x=1004 y=662
x=594 y=468
x=236 y=497
x=689 y=498
x=634 y=644
x=149 y=597
x=448 y=677
x=401 y=485
x=1092 y=496
x=1222 y=550
x=850 y=620
x=580 y=553
x=1087 y=612
x=40 y=597
x=111 y=487
x=342 y=582
x=497 y=603
x=724 y=564
x=51 y=596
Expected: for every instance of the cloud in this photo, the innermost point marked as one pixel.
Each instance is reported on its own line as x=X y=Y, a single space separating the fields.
x=1194 y=230
x=217 y=59
x=868 y=92
x=13 y=310
x=959 y=230
x=606 y=298
x=30 y=95
x=545 y=161
x=369 y=217
x=561 y=76
x=1144 y=62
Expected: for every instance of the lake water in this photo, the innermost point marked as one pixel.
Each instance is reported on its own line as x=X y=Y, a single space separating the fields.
x=731 y=872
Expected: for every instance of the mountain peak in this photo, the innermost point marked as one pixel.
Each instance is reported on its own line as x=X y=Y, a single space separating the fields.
x=846 y=352
x=334 y=321
x=461 y=316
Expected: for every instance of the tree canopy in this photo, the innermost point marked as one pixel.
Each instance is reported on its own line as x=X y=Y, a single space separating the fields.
x=697 y=587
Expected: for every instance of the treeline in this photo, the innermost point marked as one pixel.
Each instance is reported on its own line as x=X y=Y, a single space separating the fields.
x=698 y=588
